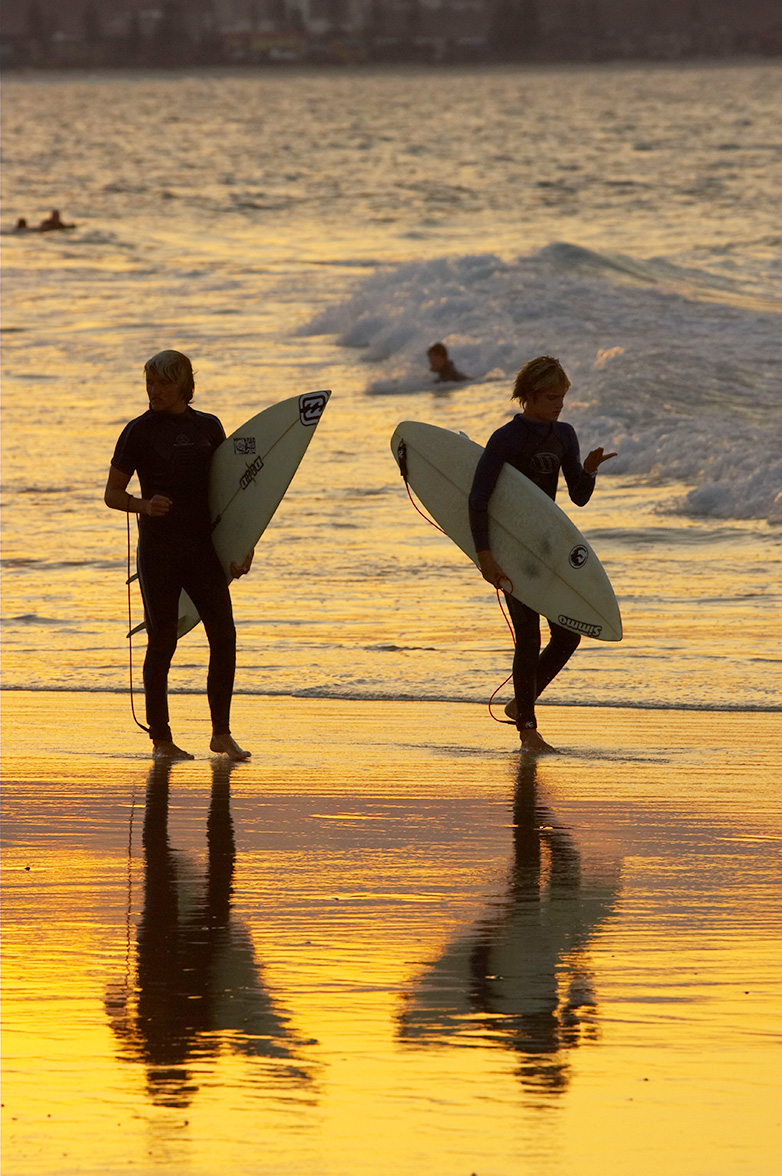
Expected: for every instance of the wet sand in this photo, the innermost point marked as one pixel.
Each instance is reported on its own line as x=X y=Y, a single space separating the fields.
x=389 y=945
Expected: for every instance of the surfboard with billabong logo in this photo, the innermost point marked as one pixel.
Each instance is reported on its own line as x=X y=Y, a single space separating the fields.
x=551 y=566
x=249 y=475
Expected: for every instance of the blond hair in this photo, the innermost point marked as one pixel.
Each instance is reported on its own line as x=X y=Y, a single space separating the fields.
x=537 y=376
x=174 y=366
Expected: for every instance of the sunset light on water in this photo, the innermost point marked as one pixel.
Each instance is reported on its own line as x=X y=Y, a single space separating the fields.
x=419 y=954
x=388 y=943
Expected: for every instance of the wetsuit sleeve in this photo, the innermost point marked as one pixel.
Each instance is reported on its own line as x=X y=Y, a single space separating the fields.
x=580 y=484
x=215 y=430
x=125 y=457
x=486 y=474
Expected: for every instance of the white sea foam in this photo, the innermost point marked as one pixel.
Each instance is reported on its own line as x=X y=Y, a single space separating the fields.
x=675 y=366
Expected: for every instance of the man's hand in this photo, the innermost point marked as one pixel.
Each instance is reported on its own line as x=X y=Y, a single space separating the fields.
x=491 y=571
x=157 y=505
x=241 y=569
x=595 y=459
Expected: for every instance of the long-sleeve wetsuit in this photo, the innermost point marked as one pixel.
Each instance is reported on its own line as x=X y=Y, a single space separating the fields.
x=172 y=452
x=539 y=450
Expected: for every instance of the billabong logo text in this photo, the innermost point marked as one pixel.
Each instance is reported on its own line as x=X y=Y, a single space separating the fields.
x=250 y=473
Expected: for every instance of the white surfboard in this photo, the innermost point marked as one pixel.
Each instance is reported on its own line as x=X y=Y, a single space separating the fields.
x=248 y=477
x=549 y=562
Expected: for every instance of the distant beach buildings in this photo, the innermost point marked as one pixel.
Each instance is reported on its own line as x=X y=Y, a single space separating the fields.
x=176 y=33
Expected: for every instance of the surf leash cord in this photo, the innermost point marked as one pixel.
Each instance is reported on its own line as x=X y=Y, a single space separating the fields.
x=129 y=580
x=401 y=454
x=510 y=722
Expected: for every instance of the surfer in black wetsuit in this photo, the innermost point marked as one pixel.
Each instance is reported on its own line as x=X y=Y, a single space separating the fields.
x=170 y=447
x=53 y=222
x=443 y=366
x=539 y=445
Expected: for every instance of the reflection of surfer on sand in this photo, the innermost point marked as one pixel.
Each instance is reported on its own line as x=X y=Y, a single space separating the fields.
x=521 y=979
x=170 y=447
x=537 y=444
x=197 y=988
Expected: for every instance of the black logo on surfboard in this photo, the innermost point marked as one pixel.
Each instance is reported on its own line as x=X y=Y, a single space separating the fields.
x=578 y=556
x=580 y=626
x=311 y=406
x=244 y=445
x=250 y=473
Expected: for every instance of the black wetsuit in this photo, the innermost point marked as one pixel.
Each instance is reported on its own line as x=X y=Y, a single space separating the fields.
x=172 y=452
x=449 y=373
x=539 y=450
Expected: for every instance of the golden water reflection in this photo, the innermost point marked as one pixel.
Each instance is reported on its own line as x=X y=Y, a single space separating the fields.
x=197 y=989
x=521 y=979
x=386 y=946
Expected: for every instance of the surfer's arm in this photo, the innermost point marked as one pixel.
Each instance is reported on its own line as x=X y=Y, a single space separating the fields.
x=580 y=478
x=487 y=472
x=116 y=496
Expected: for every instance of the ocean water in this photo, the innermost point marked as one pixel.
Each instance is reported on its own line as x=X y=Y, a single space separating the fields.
x=296 y=231
x=387 y=944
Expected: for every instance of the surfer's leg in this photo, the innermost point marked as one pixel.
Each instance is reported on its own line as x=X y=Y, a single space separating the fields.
x=207 y=587
x=562 y=645
x=526 y=626
x=160 y=594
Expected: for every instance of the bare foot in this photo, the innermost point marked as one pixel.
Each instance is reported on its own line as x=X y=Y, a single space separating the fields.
x=165 y=749
x=511 y=710
x=227 y=745
x=533 y=743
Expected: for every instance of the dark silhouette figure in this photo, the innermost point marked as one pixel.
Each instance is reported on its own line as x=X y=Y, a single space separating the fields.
x=53 y=222
x=198 y=989
x=521 y=979
x=443 y=366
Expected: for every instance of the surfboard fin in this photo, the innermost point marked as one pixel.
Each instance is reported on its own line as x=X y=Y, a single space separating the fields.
x=401 y=455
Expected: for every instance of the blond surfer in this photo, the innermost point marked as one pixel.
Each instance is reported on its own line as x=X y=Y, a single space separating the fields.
x=170 y=448
x=539 y=445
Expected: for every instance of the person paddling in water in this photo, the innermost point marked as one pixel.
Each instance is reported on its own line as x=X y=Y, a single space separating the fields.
x=170 y=447
x=539 y=445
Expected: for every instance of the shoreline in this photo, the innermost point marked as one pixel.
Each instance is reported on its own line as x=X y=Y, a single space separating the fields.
x=265 y=69
x=401 y=700
x=52 y=730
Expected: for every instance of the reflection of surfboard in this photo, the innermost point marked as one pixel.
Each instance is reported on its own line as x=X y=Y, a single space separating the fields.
x=552 y=567
x=248 y=477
